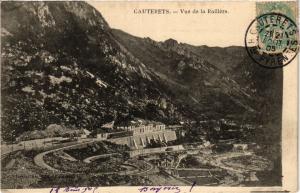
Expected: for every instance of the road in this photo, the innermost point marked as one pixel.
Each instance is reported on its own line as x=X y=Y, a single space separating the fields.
x=218 y=161
x=39 y=161
x=30 y=144
x=238 y=172
x=95 y=157
x=52 y=147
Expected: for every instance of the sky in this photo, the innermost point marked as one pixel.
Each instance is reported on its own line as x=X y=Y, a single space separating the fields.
x=220 y=30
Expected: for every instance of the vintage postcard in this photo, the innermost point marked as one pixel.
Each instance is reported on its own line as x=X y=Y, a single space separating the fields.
x=149 y=96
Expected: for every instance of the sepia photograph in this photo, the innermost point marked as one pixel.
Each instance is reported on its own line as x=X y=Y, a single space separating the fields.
x=151 y=95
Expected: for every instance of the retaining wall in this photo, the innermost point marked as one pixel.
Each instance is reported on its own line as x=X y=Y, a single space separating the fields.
x=140 y=141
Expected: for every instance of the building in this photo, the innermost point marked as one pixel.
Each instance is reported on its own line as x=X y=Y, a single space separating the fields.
x=84 y=134
x=103 y=136
x=99 y=133
x=141 y=127
x=240 y=147
x=109 y=125
x=144 y=133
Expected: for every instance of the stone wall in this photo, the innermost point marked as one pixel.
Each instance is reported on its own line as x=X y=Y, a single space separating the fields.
x=155 y=150
x=140 y=141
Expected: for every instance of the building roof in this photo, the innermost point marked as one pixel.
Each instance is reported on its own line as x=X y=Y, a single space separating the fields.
x=109 y=125
x=87 y=132
x=139 y=122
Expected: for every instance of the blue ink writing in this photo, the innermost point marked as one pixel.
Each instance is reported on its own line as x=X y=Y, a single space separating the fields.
x=194 y=184
x=73 y=189
x=157 y=189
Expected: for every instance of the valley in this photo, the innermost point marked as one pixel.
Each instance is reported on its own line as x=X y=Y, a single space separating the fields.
x=85 y=104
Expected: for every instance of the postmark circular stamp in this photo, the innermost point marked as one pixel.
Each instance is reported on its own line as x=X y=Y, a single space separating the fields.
x=271 y=40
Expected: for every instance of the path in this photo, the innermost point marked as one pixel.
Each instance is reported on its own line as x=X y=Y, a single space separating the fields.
x=218 y=161
x=39 y=161
x=95 y=157
x=238 y=172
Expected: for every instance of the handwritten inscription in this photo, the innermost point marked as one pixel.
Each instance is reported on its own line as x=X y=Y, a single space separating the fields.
x=161 y=189
x=74 y=189
x=156 y=189
x=151 y=189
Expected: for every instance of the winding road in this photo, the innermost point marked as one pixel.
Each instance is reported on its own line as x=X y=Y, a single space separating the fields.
x=39 y=161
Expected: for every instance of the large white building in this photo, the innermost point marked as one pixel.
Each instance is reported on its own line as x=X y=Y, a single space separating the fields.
x=144 y=128
x=139 y=133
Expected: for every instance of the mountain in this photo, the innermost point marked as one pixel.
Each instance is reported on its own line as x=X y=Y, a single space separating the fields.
x=223 y=83
x=63 y=64
x=211 y=75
